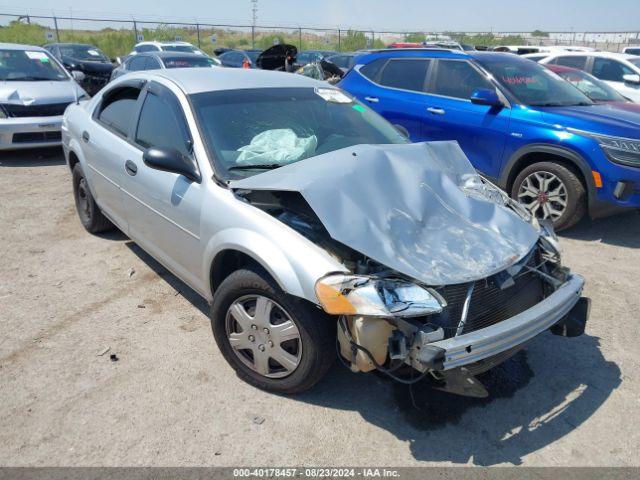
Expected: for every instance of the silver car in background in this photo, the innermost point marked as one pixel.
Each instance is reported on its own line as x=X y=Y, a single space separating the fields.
x=35 y=90
x=299 y=212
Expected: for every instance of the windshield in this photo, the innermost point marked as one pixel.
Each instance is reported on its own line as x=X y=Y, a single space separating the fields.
x=531 y=84
x=83 y=52
x=249 y=131
x=592 y=87
x=29 y=65
x=188 y=62
x=180 y=48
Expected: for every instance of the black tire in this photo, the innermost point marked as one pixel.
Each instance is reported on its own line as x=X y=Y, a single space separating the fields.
x=575 y=191
x=317 y=332
x=91 y=217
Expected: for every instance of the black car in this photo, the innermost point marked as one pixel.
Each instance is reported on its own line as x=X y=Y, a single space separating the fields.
x=87 y=64
x=163 y=60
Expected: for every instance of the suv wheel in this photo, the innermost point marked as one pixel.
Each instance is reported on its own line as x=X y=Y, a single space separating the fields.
x=273 y=341
x=91 y=217
x=551 y=191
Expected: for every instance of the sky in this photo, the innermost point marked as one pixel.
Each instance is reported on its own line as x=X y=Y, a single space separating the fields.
x=390 y=15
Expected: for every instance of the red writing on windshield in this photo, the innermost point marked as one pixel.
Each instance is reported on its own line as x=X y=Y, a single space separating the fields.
x=519 y=80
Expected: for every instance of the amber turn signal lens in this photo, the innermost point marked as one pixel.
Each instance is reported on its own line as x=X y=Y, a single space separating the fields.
x=333 y=302
x=597 y=179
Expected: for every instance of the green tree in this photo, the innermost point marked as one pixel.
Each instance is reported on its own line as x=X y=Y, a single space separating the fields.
x=415 y=37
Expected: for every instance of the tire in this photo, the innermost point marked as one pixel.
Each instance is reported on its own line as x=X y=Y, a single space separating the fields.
x=315 y=347
x=574 y=197
x=92 y=219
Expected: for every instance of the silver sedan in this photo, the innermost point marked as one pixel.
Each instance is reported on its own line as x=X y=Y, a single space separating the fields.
x=312 y=225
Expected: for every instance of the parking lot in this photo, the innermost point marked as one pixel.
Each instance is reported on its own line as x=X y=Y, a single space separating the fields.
x=70 y=300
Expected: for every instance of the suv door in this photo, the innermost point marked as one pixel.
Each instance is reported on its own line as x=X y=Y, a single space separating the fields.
x=479 y=129
x=163 y=208
x=397 y=91
x=105 y=147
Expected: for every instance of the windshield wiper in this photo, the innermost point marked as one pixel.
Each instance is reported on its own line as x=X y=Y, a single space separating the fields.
x=261 y=166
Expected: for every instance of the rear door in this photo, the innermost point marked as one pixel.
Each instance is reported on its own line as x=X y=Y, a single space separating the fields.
x=163 y=208
x=396 y=91
x=105 y=147
x=480 y=130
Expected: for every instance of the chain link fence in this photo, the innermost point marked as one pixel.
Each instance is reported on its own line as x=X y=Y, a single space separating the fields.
x=116 y=37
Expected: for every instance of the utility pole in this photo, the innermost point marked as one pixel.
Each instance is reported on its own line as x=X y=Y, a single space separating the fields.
x=254 y=17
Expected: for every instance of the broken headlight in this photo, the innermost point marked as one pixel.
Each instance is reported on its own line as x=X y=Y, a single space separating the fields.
x=343 y=294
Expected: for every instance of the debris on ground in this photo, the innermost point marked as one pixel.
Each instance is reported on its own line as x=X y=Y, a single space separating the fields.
x=113 y=357
x=142 y=305
x=258 y=420
x=102 y=352
x=131 y=272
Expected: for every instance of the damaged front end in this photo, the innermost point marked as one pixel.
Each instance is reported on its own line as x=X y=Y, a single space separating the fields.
x=445 y=275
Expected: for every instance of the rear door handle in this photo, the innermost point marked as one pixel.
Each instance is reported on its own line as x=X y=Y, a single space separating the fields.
x=436 y=111
x=372 y=99
x=130 y=167
x=85 y=136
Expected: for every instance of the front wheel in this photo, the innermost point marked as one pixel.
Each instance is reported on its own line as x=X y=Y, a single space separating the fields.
x=272 y=340
x=551 y=191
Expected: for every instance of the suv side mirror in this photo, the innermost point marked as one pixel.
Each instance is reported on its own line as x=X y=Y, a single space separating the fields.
x=171 y=160
x=401 y=130
x=486 y=96
x=633 y=78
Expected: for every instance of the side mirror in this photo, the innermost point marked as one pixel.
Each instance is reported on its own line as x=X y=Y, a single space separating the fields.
x=486 y=96
x=633 y=78
x=171 y=160
x=402 y=130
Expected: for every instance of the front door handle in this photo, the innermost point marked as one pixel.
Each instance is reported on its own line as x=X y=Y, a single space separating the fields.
x=436 y=111
x=372 y=99
x=85 y=136
x=130 y=167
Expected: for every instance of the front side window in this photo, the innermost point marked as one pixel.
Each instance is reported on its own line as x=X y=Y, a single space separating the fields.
x=573 y=62
x=250 y=130
x=532 y=84
x=458 y=80
x=117 y=109
x=29 y=65
x=610 y=70
x=405 y=74
x=160 y=125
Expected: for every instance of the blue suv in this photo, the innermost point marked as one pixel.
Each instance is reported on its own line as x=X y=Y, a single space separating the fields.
x=523 y=127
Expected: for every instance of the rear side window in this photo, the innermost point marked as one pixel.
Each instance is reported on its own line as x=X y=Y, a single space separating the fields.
x=405 y=74
x=371 y=70
x=573 y=62
x=161 y=123
x=458 y=80
x=610 y=70
x=118 y=108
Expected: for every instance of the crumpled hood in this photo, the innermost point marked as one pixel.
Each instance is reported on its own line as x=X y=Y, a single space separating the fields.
x=38 y=93
x=403 y=206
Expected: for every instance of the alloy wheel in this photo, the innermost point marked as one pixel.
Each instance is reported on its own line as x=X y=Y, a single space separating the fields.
x=544 y=195
x=263 y=336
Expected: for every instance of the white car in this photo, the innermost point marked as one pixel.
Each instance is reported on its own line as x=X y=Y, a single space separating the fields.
x=619 y=70
x=632 y=50
x=540 y=49
x=156 y=46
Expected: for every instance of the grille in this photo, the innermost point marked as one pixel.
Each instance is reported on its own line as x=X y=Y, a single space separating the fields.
x=48 y=110
x=489 y=304
x=36 y=137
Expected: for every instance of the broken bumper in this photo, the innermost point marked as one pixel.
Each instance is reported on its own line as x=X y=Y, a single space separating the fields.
x=481 y=344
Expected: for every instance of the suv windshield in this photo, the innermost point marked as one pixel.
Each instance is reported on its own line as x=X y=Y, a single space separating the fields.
x=83 y=52
x=249 y=131
x=29 y=65
x=532 y=84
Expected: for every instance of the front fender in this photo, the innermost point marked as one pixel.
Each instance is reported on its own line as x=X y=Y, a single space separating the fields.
x=294 y=265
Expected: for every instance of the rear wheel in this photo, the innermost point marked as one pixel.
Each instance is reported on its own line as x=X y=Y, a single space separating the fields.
x=551 y=191
x=272 y=340
x=91 y=217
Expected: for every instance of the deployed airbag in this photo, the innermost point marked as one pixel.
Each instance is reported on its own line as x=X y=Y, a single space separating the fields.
x=414 y=208
x=276 y=146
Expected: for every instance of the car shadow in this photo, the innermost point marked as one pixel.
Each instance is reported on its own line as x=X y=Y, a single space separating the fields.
x=535 y=398
x=622 y=230
x=37 y=157
x=187 y=292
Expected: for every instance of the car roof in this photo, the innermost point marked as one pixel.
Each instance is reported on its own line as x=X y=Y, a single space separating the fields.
x=162 y=42
x=199 y=80
x=61 y=44
x=164 y=54
x=19 y=46
x=370 y=55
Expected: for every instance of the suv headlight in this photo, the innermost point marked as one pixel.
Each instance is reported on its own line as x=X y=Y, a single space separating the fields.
x=345 y=294
x=625 y=151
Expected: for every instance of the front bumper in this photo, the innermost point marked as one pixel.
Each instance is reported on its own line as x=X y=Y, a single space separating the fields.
x=487 y=342
x=30 y=132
